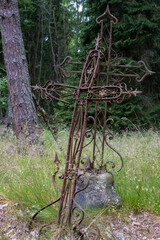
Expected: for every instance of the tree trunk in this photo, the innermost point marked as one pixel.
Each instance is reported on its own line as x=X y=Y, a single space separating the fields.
x=23 y=109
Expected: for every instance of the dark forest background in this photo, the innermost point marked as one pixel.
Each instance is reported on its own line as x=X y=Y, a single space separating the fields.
x=54 y=29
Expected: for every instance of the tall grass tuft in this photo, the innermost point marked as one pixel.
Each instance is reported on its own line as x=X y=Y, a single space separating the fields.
x=26 y=171
x=138 y=183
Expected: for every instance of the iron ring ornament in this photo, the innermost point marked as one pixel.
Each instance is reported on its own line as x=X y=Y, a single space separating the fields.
x=103 y=79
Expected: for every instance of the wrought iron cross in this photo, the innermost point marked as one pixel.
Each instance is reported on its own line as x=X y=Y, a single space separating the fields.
x=103 y=79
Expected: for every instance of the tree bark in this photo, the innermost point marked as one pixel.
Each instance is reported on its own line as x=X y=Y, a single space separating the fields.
x=23 y=109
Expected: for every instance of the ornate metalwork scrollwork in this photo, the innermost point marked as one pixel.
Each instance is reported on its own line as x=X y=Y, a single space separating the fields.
x=102 y=80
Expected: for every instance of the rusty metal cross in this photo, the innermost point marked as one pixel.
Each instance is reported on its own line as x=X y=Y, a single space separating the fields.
x=103 y=79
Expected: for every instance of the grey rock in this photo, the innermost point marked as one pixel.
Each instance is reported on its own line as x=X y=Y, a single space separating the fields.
x=99 y=193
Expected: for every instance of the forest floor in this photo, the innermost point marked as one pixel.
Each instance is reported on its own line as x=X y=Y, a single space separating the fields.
x=133 y=226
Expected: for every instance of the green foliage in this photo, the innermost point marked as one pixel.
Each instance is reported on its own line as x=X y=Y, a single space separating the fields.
x=46 y=29
x=3 y=95
x=3 y=237
x=141 y=178
x=55 y=29
x=154 y=116
x=64 y=111
x=135 y=37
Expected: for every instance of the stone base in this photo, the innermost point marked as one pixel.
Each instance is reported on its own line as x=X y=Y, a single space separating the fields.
x=99 y=193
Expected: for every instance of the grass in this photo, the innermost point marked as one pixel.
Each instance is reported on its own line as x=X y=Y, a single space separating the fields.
x=138 y=183
x=26 y=171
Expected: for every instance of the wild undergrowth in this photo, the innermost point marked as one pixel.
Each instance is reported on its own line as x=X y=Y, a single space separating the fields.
x=26 y=171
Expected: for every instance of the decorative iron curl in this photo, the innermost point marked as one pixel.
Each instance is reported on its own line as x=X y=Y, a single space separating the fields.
x=82 y=181
x=77 y=207
x=99 y=19
x=48 y=90
x=61 y=177
x=39 y=89
x=70 y=174
x=84 y=232
x=146 y=70
x=64 y=73
x=111 y=137
x=94 y=53
x=99 y=49
x=109 y=121
x=125 y=92
x=111 y=93
x=81 y=101
x=84 y=162
x=77 y=217
x=90 y=132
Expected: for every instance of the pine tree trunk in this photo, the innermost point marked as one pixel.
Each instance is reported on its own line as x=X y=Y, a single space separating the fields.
x=23 y=109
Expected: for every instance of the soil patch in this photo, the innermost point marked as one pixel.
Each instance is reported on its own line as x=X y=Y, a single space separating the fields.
x=134 y=226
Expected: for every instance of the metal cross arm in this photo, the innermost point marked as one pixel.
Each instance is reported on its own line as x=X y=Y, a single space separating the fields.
x=59 y=92
x=56 y=91
x=104 y=78
x=109 y=65
x=142 y=70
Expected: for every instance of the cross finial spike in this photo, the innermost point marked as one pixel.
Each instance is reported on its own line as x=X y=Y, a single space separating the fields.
x=99 y=19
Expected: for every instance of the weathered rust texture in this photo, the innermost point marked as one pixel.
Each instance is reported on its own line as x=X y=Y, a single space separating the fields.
x=103 y=79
